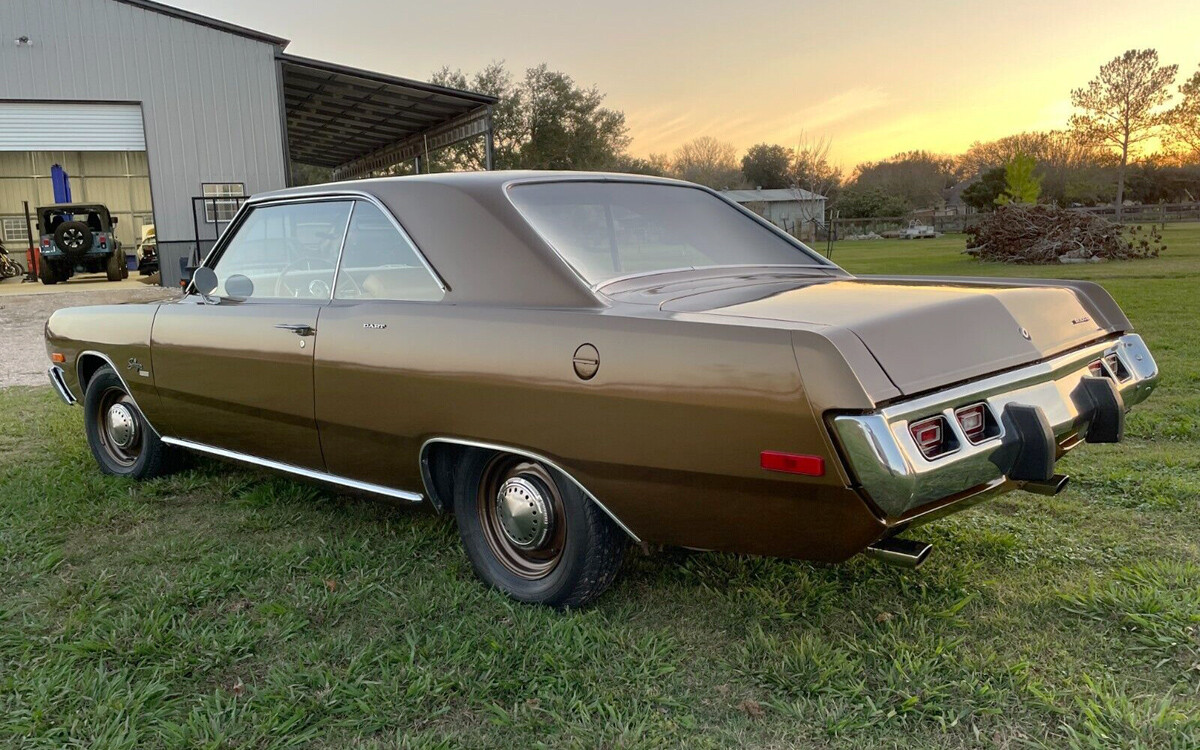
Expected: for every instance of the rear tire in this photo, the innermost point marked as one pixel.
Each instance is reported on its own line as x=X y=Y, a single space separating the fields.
x=122 y=441
x=564 y=553
x=115 y=269
x=47 y=273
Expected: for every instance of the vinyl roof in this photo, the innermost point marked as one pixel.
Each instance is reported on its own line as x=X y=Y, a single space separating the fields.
x=337 y=114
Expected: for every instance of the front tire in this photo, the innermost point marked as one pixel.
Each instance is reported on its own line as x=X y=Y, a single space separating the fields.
x=122 y=441
x=532 y=533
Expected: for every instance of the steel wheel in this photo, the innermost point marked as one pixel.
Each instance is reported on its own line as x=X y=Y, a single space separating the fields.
x=522 y=516
x=119 y=430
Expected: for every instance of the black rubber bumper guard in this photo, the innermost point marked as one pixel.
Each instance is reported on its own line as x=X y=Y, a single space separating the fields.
x=1035 y=449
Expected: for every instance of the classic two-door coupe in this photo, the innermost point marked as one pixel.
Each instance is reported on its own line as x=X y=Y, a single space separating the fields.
x=569 y=361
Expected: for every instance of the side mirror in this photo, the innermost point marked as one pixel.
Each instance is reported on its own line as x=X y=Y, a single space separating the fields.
x=113 y=220
x=204 y=280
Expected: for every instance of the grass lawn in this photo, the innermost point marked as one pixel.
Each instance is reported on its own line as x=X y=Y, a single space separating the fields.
x=225 y=608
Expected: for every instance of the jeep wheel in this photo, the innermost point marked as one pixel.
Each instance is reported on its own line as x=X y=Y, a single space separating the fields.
x=121 y=439
x=115 y=270
x=531 y=533
x=73 y=237
x=47 y=273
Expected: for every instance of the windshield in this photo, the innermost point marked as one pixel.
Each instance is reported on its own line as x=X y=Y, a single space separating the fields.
x=610 y=229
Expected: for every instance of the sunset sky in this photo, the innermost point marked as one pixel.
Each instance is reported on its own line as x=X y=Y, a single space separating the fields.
x=875 y=77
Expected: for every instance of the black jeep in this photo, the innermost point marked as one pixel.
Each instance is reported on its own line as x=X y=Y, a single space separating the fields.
x=78 y=238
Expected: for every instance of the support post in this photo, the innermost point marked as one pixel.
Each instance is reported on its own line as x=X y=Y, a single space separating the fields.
x=489 y=144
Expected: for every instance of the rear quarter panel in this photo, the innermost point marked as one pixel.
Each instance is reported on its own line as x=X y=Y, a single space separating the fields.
x=667 y=434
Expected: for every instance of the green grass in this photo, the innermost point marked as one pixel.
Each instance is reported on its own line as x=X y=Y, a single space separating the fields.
x=228 y=608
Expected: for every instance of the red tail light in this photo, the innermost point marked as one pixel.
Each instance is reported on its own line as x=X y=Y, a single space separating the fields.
x=1096 y=369
x=933 y=437
x=792 y=463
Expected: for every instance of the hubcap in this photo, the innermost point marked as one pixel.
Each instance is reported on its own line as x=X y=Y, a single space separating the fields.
x=522 y=516
x=524 y=512
x=74 y=238
x=121 y=426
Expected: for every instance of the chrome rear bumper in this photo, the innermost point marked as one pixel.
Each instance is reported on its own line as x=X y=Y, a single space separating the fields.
x=885 y=461
x=60 y=385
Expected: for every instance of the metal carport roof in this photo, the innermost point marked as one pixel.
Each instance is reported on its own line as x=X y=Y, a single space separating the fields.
x=358 y=121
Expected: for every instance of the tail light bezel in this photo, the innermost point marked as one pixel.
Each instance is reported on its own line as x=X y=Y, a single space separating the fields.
x=948 y=441
x=990 y=428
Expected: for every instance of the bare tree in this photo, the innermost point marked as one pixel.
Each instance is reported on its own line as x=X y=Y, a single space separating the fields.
x=1122 y=106
x=811 y=170
x=708 y=161
x=1184 y=119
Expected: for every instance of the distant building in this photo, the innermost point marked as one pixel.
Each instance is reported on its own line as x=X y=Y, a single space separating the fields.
x=792 y=209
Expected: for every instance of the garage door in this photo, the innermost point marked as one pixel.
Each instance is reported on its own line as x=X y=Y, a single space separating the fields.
x=58 y=126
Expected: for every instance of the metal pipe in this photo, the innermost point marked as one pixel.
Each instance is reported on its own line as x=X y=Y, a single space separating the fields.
x=904 y=553
x=1051 y=486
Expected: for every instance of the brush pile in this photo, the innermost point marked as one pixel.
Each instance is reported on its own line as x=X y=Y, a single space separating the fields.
x=1049 y=234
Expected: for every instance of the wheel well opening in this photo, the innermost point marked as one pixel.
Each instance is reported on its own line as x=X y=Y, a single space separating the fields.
x=88 y=365
x=440 y=460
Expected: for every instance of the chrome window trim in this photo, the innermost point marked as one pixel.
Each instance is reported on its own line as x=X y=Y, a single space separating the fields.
x=404 y=236
x=821 y=261
x=332 y=195
x=427 y=478
x=320 y=476
x=108 y=360
x=768 y=268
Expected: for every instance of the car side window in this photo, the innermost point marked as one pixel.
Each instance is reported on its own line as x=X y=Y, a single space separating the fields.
x=286 y=251
x=379 y=262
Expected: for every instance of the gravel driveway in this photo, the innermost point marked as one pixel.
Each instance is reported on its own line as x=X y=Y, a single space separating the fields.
x=23 y=359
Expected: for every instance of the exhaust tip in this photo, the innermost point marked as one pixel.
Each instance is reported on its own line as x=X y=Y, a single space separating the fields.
x=1051 y=486
x=904 y=553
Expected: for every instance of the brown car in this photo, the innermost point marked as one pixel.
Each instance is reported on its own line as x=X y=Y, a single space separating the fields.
x=571 y=361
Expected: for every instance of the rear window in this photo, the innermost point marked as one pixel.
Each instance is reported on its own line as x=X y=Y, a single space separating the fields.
x=610 y=229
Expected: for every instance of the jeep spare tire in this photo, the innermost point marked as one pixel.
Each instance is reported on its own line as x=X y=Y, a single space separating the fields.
x=73 y=237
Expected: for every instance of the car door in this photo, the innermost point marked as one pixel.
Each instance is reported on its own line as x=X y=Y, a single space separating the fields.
x=235 y=371
x=372 y=369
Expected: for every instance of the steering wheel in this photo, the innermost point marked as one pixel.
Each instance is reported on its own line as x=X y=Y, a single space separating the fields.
x=316 y=288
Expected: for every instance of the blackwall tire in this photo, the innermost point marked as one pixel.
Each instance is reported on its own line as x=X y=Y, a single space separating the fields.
x=582 y=548
x=143 y=455
x=73 y=237
x=115 y=269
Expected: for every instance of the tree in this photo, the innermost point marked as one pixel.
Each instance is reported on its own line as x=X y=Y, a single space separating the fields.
x=1184 y=120
x=862 y=203
x=1121 y=107
x=707 y=161
x=916 y=177
x=545 y=121
x=811 y=169
x=767 y=166
x=1021 y=185
x=982 y=194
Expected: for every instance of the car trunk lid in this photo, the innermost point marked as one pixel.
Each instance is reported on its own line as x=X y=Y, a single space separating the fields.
x=923 y=334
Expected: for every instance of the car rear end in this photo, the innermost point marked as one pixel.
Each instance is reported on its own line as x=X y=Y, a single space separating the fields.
x=917 y=458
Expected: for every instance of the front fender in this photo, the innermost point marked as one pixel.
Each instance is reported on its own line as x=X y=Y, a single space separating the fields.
x=90 y=337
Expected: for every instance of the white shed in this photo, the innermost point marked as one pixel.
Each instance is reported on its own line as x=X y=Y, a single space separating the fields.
x=792 y=209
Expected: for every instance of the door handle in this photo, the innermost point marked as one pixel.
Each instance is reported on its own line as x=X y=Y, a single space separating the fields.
x=300 y=329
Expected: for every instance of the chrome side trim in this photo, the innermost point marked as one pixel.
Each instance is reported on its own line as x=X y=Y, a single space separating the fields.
x=320 y=476
x=60 y=386
x=438 y=503
x=110 y=363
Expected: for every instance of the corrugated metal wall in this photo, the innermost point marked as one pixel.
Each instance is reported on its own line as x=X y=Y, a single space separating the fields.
x=209 y=99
